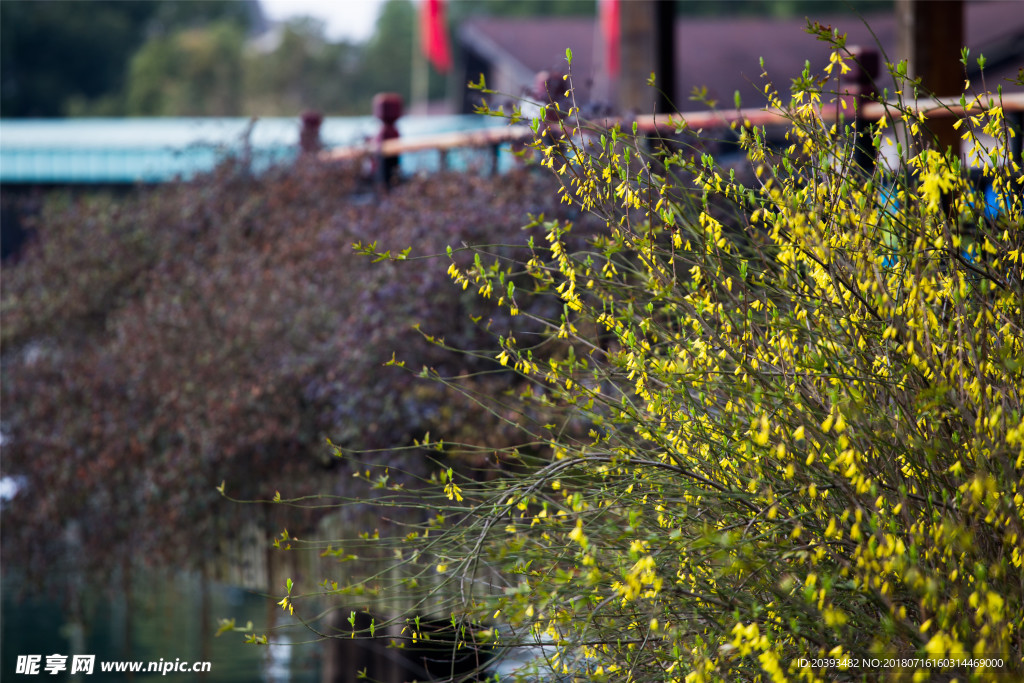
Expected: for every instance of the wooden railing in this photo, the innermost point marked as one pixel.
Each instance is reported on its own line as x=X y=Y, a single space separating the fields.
x=933 y=107
x=487 y=137
x=1012 y=104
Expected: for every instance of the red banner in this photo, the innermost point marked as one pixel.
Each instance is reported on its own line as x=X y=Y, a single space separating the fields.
x=434 y=35
x=608 y=15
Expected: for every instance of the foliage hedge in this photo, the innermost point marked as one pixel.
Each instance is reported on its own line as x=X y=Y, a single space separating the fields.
x=158 y=343
x=793 y=421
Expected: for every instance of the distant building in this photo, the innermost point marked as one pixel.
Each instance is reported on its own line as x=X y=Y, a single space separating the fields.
x=719 y=53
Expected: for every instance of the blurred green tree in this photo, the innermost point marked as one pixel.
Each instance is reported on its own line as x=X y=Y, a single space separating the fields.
x=61 y=57
x=195 y=72
x=303 y=71
x=388 y=54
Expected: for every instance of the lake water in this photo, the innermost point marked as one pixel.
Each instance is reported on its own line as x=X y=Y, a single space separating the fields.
x=166 y=619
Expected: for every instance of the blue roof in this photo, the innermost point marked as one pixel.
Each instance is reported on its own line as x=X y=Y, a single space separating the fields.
x=162 y=149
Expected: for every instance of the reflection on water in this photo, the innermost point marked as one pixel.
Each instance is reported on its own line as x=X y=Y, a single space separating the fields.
x=167 y=619
x=279 y=660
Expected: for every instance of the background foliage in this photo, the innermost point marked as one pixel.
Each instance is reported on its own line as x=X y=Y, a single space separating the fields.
x=67 y=57
x=159 y=343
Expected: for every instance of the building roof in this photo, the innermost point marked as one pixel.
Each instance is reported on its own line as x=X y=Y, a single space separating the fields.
x=723 y=53
x=151 y=150
x=132 y=149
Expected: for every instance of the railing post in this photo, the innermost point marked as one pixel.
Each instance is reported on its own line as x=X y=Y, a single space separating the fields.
x=549 y=91
x=309 y=136
x=495 y=154
x=388 y=108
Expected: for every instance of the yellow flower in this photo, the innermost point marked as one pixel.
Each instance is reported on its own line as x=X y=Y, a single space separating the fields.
x=453 y=492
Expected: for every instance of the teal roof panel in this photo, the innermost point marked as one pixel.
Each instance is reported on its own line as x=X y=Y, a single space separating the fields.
x=150 y=150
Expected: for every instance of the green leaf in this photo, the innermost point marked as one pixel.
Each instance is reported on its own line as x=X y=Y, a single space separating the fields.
x=225 y=626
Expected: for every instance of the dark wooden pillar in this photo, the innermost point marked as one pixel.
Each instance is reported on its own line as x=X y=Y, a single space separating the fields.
x=863 y=77
x=665 y=55
x=931 y=35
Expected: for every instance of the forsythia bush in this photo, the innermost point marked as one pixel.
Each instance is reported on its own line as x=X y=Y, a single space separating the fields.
x=792 y=443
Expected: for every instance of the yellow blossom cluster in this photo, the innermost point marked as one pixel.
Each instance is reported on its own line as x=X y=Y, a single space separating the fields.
x=805 y=398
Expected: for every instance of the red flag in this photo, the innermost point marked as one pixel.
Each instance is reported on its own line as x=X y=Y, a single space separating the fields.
x=434 y=35
x=609 y=17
